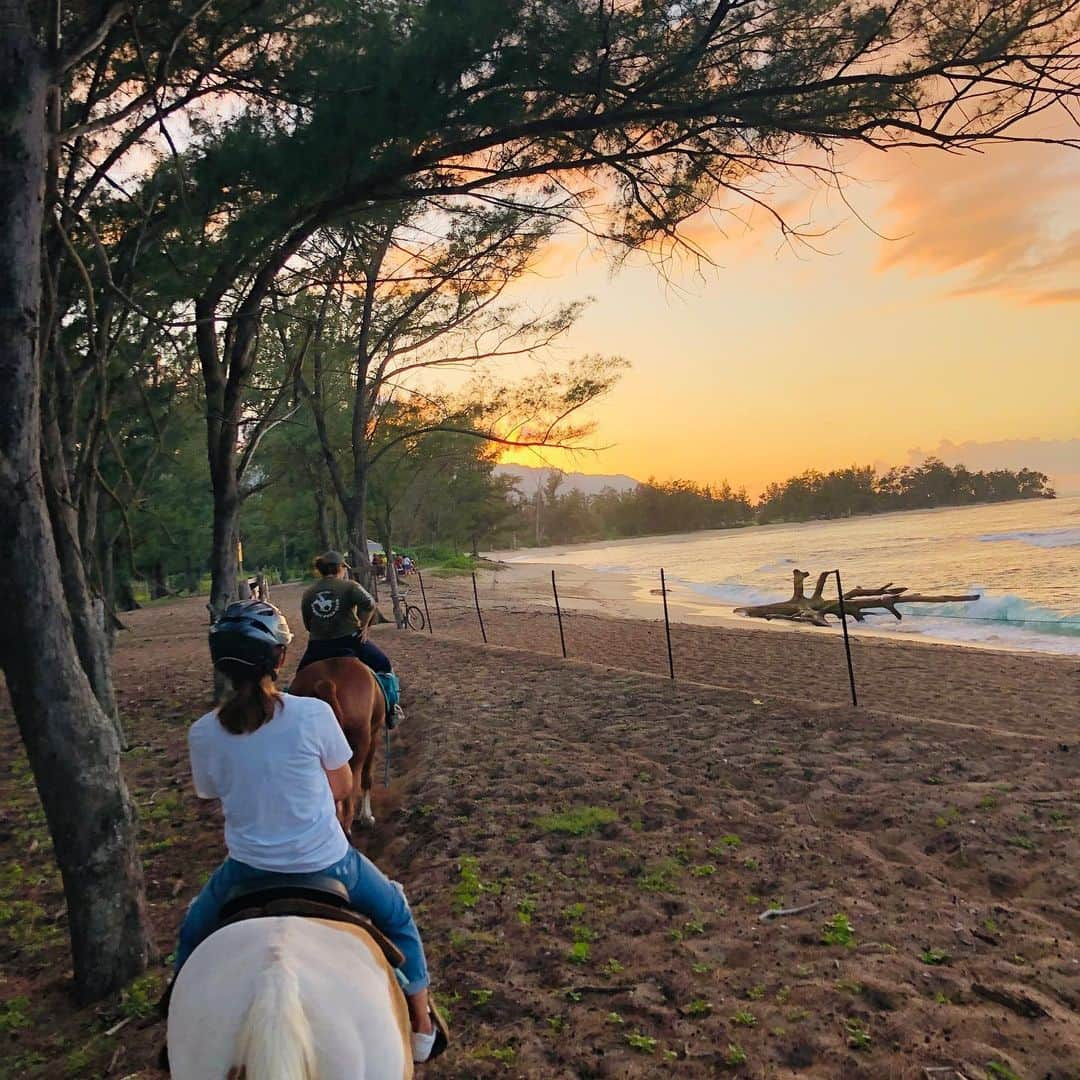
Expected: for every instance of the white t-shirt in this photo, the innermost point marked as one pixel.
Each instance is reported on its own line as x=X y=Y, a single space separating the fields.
x=279 y=810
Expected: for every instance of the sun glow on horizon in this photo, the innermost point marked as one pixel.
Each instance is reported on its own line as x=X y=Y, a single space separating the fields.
x=963 y=327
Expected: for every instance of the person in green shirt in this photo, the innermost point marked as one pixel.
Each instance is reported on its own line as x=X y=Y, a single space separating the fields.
x=336 y=612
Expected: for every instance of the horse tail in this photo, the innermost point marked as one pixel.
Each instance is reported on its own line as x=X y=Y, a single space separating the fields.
x=276 y=1041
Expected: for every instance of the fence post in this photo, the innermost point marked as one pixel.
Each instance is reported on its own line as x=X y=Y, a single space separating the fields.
x=847 y=641
x=558 y=612
x=667 y=624
x=476 y=597
x=423 y=595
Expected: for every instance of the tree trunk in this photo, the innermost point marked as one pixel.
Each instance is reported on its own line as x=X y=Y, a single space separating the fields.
x=72 y=745
x=158 y=582
x=322 y=510
x=224 y=569
x=358 y=549
x=89 y=631
x=391 y=572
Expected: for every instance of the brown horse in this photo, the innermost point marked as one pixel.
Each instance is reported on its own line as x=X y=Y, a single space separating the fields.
x=349 y=688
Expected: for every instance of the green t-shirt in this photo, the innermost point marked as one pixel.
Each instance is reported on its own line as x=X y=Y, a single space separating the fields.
x=332 y=606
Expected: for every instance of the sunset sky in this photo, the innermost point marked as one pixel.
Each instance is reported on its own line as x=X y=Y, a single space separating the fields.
x=960 y=322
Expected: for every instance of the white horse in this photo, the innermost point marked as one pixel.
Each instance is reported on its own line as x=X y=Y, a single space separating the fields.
x=288 y=998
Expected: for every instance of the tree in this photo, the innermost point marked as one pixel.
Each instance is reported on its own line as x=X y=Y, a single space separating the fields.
x=668 y=108
x=72 y=743
x=428 y=301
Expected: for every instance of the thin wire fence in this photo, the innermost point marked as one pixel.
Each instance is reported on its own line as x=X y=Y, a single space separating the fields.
x=815 y=665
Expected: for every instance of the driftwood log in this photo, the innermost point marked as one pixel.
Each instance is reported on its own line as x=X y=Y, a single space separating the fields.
x=858 y=602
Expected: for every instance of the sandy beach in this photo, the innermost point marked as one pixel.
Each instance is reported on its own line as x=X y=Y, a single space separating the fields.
x=607 y=621
x=589 y=848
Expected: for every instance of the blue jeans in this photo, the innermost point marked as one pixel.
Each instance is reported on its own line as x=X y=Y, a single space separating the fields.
x=351 y=645
x=371 y=892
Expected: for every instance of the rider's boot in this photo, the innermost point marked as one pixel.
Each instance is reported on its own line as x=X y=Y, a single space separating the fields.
x=426 y=1047
x=397 y=714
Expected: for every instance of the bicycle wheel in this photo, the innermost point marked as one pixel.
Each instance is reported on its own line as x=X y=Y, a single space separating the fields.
x=414 y=617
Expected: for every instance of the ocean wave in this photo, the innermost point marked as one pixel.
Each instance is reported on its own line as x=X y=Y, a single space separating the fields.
x=774 y=567
x=735 y=593
x=1046 y=538
x=1006 y=611
x=1002 y=620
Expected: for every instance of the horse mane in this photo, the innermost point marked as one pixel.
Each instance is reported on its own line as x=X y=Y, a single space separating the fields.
x=275 y=1040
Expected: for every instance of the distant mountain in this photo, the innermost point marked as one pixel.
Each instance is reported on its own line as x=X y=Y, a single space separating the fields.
x=530 y=477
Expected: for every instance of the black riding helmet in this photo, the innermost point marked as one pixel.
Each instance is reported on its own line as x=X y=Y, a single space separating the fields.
x=247 y=638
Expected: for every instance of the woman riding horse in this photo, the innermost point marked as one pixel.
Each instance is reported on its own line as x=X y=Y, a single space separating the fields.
x=336 y=611
x=277 y=763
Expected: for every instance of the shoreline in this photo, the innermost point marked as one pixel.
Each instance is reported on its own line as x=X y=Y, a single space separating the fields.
x=622 y=594
x=499 y=554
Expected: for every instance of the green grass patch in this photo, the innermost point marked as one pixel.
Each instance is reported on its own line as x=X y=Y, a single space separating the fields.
x=858 y=1036
x=15 y=1015
x=503 y=1054
x=470 y=888
x=443 y=557
x=579 y=953
x=659 y=878
x=734 y=1056
x=934 y=957
x=644 y=1044
x=838 y=931
x=138 y=1000
x=579 y=821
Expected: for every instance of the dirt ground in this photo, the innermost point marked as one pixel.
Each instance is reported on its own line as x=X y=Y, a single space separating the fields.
x=588 y=850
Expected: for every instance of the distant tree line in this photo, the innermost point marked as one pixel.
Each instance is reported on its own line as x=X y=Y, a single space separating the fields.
x=551 y=517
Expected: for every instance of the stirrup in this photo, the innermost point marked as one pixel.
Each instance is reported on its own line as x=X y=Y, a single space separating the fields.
x=394 y=717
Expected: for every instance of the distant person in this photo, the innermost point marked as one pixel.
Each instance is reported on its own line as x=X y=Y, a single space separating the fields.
x=407 y=564
x=336 y=612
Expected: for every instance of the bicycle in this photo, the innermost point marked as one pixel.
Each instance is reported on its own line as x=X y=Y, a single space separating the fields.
x=414 y=617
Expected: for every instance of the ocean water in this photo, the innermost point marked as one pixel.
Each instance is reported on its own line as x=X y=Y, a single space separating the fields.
x=1022 y=558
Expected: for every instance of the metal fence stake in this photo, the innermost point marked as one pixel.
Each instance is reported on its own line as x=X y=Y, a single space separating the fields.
x=667 y=625
x=476 y=597
x=558 y=612
x=423 y=594
x=847 y=640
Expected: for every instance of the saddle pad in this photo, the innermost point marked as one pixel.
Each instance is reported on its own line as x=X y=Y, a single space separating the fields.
x=312 y=909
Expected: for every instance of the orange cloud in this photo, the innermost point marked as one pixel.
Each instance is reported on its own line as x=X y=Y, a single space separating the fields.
x=1003 y=222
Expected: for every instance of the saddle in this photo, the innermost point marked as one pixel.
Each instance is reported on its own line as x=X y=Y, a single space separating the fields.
x=313 y=896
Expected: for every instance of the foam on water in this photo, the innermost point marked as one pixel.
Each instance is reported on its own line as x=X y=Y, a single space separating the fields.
x=1047 y=538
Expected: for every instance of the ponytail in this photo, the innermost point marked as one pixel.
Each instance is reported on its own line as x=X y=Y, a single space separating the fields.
x=248 y=705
